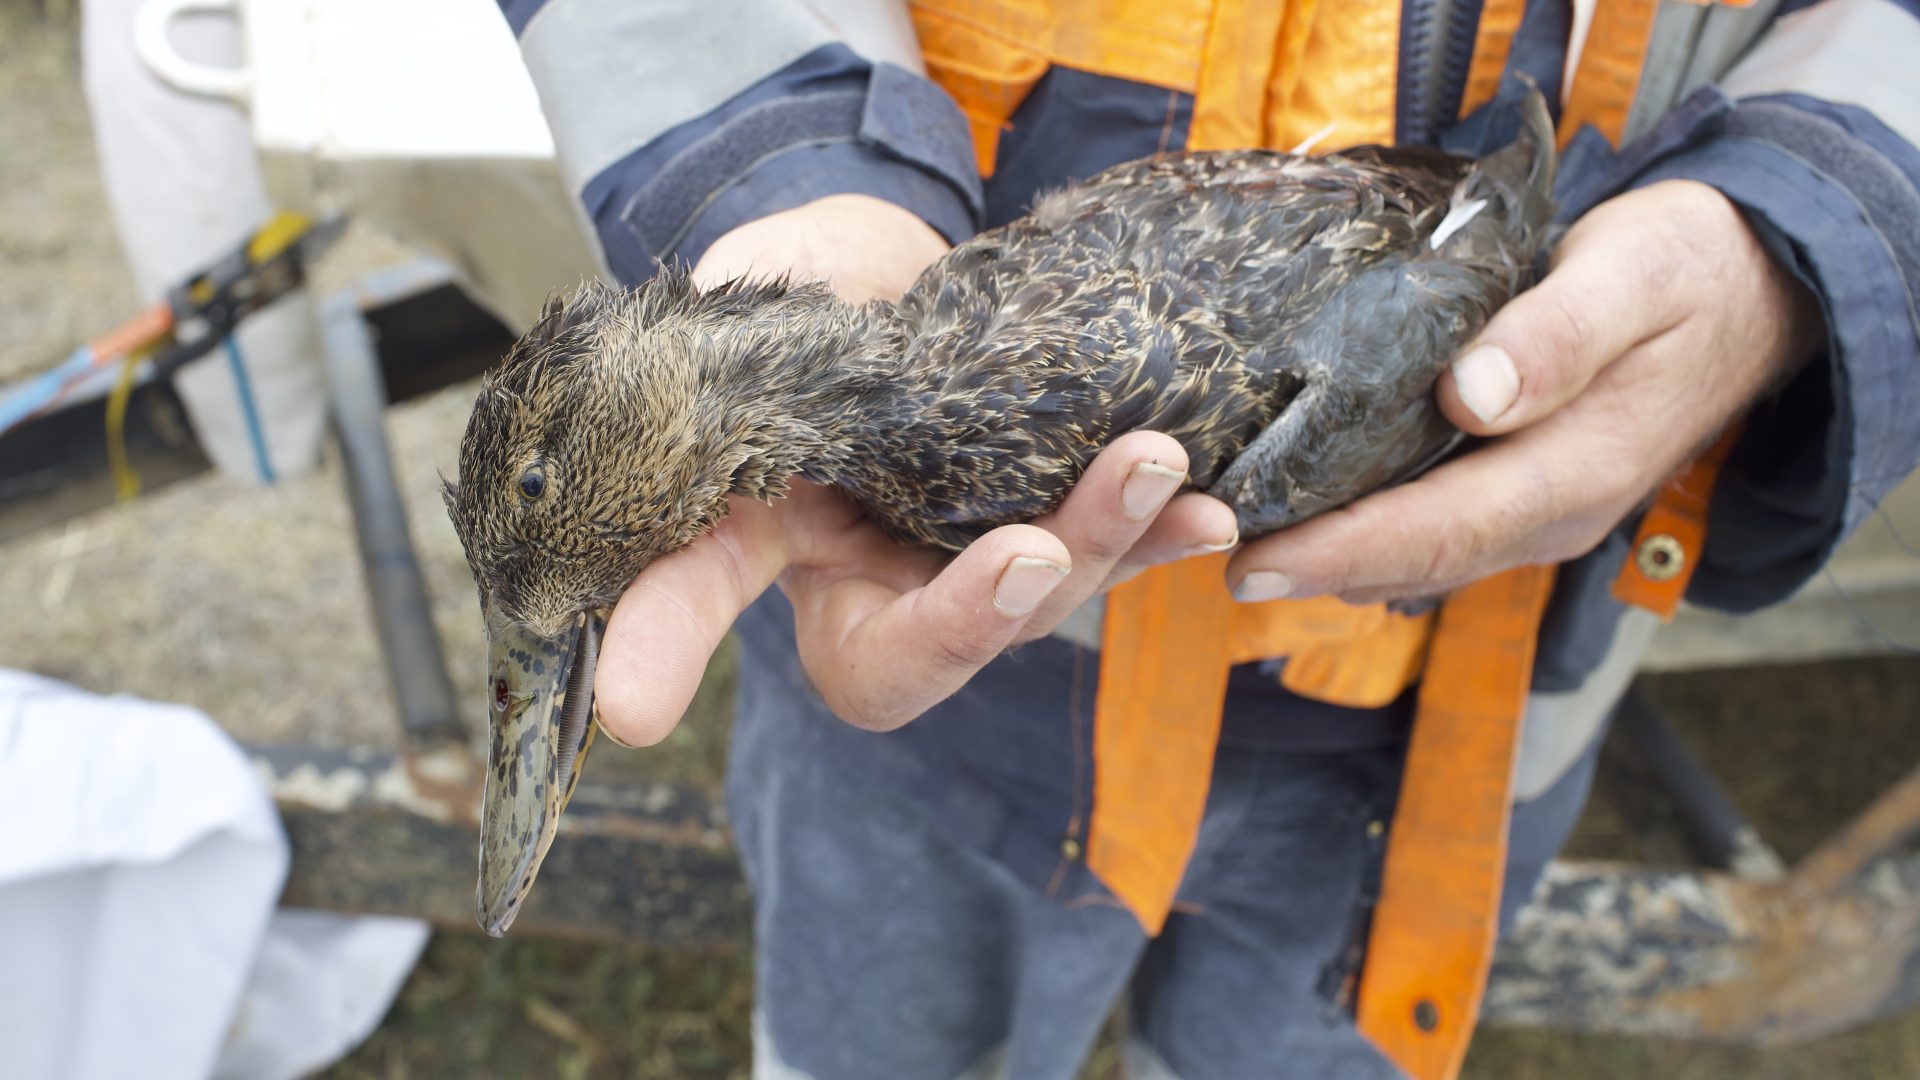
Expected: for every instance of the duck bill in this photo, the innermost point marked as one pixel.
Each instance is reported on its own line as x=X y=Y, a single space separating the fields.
x=541 y=719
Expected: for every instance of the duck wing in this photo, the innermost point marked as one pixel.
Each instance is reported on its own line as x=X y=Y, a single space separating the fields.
x=1369 y=350
x=1201 y=295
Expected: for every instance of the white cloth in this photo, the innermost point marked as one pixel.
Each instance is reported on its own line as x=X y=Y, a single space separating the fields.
x=138 y=875
x=320 y=985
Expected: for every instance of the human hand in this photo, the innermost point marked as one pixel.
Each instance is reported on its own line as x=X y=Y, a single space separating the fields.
x=1662 y=320
x=886 y=631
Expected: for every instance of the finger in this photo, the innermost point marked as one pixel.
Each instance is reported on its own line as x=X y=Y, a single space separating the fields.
x=880 y=657
x=1604 y=297
x=1192 y=524
x=666 y=625
x=1518 y=501
x=1109 y=509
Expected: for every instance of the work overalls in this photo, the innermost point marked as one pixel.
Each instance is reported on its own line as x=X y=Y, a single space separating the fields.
x=1142 y=752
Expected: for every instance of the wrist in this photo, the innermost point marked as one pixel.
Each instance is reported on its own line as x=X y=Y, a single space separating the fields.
x=1771 y=299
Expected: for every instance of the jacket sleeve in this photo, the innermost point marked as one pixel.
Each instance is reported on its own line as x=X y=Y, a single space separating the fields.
x=1813 y=134
x=676 y=120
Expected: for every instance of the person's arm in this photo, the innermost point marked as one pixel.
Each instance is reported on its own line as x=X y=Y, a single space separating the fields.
x=734 y=161
x=677 y=121
x=1765 y=265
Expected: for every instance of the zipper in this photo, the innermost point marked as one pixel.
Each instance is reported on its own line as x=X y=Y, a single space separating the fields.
x=1338 y=984
x=1436 y=47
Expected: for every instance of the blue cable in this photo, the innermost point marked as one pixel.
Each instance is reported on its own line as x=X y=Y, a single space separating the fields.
x=248 y=409
x=43 y=389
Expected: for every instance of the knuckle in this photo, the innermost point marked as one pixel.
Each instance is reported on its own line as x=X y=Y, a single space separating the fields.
x=1481 y=542
x=861 y=710
x=1443 y=556
x=1566 y=332
x=964 y=652
x=1102 y=547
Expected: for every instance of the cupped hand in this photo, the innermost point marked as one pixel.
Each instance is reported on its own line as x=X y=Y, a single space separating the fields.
x=886 y=631
x=1661 y=321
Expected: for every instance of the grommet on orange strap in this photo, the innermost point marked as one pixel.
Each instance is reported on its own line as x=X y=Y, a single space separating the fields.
x=1666 y=550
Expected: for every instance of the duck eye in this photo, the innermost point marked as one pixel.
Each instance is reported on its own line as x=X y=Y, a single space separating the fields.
x=532 y=483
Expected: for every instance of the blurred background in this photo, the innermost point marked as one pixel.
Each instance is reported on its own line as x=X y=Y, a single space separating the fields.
x=248 y=603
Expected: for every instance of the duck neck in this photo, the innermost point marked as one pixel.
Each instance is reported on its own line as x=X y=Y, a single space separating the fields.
x=798 y=383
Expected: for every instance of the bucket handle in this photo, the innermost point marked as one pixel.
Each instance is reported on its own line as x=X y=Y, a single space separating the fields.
x=151 y=44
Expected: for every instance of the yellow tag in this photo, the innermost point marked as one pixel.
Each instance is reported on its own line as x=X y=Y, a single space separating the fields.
x=279 y=234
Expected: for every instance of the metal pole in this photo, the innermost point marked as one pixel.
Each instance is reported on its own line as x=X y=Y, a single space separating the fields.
x=1714 y=825
x=416 y=666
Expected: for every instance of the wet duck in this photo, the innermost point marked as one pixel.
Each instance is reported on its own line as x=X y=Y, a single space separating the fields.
x=1284 y=317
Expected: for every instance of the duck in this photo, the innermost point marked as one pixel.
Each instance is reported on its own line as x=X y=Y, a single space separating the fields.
x=1284 y=316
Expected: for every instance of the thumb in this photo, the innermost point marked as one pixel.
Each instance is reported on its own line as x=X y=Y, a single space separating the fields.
x=1549 y=342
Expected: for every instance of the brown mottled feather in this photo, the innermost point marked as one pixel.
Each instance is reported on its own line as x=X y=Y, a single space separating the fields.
x=1283 y=317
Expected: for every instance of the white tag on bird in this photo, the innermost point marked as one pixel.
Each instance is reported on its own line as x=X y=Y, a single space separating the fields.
x=1455 y=220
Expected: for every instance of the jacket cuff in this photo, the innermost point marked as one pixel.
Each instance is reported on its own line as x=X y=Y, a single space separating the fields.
x=830 y=123
x=1835 y=197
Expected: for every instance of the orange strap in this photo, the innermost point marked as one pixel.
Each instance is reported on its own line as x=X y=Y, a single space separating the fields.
x=1666 y=550
x=1434 y=929
x=1163 y=682
x=1170 y=638
x=1608 y=77
x=1492 y=41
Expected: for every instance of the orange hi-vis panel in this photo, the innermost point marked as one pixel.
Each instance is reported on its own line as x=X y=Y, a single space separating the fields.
x=1609 y=72
x=1277 y=75
x=1261 y=74
x=1163 y=681
x=1608 y=76
x=1492 y=41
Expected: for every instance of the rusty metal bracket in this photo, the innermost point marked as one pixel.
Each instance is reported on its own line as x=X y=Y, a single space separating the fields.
x=1650 y=951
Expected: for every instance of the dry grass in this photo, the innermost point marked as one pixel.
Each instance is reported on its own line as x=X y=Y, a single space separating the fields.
x=61 y=277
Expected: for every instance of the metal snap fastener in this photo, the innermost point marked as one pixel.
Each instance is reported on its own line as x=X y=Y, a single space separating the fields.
x=1426 y=1015
x=1661 y=557
x=1070 y=848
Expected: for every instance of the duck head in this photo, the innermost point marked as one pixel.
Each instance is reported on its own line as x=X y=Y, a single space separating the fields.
x=612 y=434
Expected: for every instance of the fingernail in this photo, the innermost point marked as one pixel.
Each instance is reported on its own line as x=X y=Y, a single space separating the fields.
x=1261 y=585
x=1229 y=544
x=1487 y=381
x=1148 y=488
x=1024 y=583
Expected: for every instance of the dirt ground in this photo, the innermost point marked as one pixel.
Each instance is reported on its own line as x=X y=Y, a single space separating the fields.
x=247 y=603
